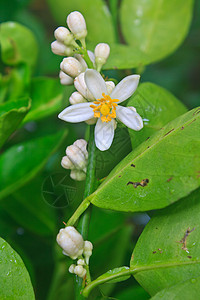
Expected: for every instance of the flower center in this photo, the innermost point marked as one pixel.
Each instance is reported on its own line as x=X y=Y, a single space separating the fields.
x=105 y=108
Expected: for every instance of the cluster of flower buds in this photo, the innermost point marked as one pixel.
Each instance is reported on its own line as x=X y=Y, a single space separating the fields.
x=73 y=245
x=76 y=160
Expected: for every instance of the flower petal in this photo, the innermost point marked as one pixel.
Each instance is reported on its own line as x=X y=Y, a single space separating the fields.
x=129 y=117
x=77 y=113
x=125 y=88
x=104 y=134
x=95 y=83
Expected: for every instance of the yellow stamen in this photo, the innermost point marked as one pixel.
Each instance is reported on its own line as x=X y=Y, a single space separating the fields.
x=105 y=108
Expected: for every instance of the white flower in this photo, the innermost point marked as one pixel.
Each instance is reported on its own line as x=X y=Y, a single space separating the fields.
x=105 y=108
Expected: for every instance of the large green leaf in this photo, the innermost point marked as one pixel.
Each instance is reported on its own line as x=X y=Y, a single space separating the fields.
x=11 y=115
x=15 y=283
x=160 y=259
x=23 y=161
x=157 y=107
x=155 y=28
x=46 y=95
x=189 y=289
x=28 y=208
x=96 y=13
x=18 y=44
x=168 y=163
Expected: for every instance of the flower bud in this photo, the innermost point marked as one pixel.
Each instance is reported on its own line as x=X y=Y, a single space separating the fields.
x=66 y=163
x=77 y=25
x=70 y=240
x=65 y=79
x=60 y=49
x=81 y=60
x=80 y=85
x=77 y=157
x=101 y=52
x=76 y=98
x=110 y=86
x=71 y=268
x=80 y=271
x=63 y=35
x=78 y=175
x=82 y=145
x=71 y=66
x=87 y=250
x=91 y=56
x=81 y=262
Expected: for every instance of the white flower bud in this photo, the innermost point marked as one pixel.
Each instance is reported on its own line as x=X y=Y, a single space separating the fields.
x=80 y=271
x=65 y=79
x=71 y=66
x=91 y=56
x=77 y=157
x=101 y=52
x=76 y=98
x=63 y=35
x=71 y=268
x=88 y=247
x=77 y=25
x=70 y=240
x=60 y=49
x=78 y=175
x=81 y=262
x=81 y=60
x=82 y=145
x=110 y=86
x=66 y=163
x=80 y=85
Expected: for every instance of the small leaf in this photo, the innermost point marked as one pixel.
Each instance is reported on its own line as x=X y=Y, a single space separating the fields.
x=189 y=289
x=47 y=98
x=23 y=161
x=96 y=13
x=161 y=258
x=155 y=28
x=115 y=272
x=158 y=172
x=18 y=45
x=157 y=107
x=15 y=282
x=11 y=115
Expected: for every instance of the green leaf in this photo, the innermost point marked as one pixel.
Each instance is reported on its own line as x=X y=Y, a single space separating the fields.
x=155 y=28
x=114 y=272
x=28 y=208
x=15 y=282
x=135 y=292
x=11 y=115
x=96 y=13
x=47 y=96
x=23 y=161
x=157 y=107
x=159 y=172
x=189 y=289
x=160 y=259
x=18 y=45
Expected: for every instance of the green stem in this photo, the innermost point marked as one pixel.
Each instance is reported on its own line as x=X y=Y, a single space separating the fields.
x=132 y=271
x=90 y=185
x=86 y=57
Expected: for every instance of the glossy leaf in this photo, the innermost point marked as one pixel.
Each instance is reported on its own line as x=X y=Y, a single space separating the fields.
x=15 y=282
x=11 y=115
x=23 y=161
x=30 y=210
x=18 y=45
x=47 y=97
x=158 y=172
x=157 y=107
x=160 y=258
x=96 y=13
x=155 y=28
x=189 y=289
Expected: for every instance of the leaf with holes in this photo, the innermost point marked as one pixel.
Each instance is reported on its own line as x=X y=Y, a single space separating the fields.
x=168 y=250
x=160 y=171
